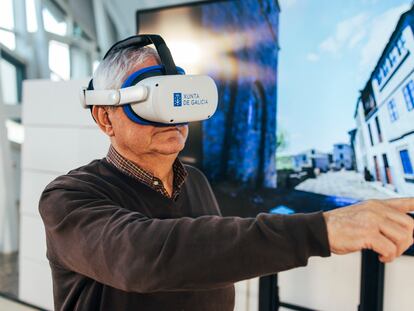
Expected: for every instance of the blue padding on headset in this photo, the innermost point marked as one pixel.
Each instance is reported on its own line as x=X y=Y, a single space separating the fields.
x=129 y=82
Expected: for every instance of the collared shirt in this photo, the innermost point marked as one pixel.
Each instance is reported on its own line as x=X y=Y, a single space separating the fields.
x=132 y=169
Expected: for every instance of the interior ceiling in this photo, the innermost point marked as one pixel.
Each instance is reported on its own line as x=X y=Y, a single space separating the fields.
x=122 y=12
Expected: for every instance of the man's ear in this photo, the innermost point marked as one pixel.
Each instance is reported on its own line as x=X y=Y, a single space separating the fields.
x=101 y=116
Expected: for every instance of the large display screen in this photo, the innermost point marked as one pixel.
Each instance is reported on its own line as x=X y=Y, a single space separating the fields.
x=301 y=138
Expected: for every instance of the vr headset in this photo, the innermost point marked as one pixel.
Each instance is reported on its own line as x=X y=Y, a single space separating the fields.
x=157 y=95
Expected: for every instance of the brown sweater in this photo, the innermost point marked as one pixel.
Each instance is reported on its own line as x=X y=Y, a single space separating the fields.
x=113 y=243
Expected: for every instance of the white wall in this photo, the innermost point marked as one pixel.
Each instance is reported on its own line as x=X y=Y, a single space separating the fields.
x=59 y=136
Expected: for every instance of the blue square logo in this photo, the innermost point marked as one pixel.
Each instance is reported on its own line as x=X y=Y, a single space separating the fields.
x=178 y=99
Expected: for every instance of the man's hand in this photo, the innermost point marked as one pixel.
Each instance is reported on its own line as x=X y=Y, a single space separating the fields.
x=379 y=225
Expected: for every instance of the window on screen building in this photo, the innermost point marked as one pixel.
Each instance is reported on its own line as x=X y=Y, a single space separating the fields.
x=378 y=130
x=370 y=134
x=409 y=95
x=406 y=162
x=392 y=109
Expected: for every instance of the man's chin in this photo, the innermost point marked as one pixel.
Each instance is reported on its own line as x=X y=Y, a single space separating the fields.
x=168 y=150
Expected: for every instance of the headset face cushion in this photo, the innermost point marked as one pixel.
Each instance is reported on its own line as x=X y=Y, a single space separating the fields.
x=136 y=77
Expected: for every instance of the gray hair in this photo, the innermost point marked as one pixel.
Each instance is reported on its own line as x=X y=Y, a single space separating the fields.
x=113 y=70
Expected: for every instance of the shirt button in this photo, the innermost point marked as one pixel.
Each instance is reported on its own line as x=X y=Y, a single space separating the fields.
x=156 y=183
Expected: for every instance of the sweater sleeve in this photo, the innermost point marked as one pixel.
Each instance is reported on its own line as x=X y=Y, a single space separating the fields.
x=93 y=236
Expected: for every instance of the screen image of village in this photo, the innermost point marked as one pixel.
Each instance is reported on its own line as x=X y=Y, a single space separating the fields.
x=377 y=160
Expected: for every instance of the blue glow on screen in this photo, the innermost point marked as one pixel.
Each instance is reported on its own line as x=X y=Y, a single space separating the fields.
x=282 y=210
x=340 y=201
x=239 y=142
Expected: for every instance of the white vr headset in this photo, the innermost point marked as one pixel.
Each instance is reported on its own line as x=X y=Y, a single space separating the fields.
x=157 y=95
x=162 y=99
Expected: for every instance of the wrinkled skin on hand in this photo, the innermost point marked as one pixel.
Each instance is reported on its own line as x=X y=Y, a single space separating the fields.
x=379 y=225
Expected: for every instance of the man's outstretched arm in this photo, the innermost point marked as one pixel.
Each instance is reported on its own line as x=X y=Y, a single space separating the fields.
x=129 y=251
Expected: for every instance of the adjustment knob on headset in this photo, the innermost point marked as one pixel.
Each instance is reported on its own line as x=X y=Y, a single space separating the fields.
x=114 y=97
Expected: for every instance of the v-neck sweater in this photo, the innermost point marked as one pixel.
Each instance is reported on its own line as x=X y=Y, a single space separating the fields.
x=114 y=243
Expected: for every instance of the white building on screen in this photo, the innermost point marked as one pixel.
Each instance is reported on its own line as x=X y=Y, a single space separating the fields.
x=312 y=158
x=342 y=156
x=384 y=141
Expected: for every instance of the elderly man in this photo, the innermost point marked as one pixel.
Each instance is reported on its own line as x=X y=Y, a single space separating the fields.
x=138 y=230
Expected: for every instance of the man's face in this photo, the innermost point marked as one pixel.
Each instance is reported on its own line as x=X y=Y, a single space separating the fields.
x=144 y=139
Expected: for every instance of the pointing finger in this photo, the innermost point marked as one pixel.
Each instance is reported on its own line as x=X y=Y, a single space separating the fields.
x=402 y=219
x=404 y=205
x=397 y=234
x=386 y=249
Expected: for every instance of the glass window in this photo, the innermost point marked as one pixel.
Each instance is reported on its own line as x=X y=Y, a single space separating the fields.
x=9 y=82
x=385 y=68
x=406 y=162
x=401 y=45
x=392 y=109
x=80 y=63
x=6 y=14
x=7 y=37
x=54 y=22
x=59 y=61
x=409 y=95
x=378 y=130
x=95 y=65
x=31 y=16
x=378 y=77
x=393 y=56
x=370 y=134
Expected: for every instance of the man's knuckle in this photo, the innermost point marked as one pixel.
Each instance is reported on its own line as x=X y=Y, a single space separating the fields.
x=374 y=226
x=401 y=239
x=411 y=224
x=386 y=255
x=408 y=240
x=391 y=254
x=392 y=249
x=369 y=234
x=390 y=259
x=374 y=231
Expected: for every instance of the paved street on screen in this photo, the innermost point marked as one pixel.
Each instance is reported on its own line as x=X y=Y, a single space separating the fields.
x=349 y=184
